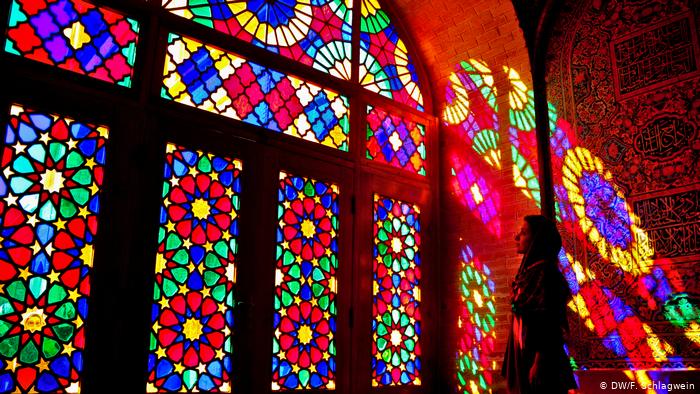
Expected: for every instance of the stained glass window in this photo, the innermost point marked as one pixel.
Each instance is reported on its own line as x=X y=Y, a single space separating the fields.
x=385 y=65
x=472 y=110
x=305 y=284
x=76 y=36
x=396 y=323
x=476 y=324
x=317 y=33
x=395 y=140
x=207 y=78
x=192 y=317
x=52 y=173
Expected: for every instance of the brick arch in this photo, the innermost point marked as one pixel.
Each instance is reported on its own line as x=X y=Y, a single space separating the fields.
x=446 y=32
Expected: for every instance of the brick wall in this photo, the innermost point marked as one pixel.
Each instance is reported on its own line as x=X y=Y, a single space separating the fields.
x=444 y=33
x=626 y=75
x=617 y=114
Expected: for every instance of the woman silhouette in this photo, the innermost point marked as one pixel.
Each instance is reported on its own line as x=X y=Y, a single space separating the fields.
x=535 y=361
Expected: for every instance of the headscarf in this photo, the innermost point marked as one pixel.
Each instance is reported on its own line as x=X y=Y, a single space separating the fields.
x=545 y=244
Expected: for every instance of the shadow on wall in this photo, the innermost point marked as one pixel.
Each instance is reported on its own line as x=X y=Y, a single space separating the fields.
x=590 y=209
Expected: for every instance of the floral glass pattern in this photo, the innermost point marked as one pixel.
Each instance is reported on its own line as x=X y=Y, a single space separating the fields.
x=210 y=79
x=395 y=140
x=316 y=33
x=385 y=65
x=192 y=316
x=396 y=323
x=74 y=35
x=305 y=284
x=52 y=174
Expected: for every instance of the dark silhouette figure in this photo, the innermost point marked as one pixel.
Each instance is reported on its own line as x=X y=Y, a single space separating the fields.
x=535 y=361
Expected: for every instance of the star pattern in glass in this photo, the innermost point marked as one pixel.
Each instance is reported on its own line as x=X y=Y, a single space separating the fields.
x=52 y=174
x=305 y=284
x=195 y=273
x=396 y=322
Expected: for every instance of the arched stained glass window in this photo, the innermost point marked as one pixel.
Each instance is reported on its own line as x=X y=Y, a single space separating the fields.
x=385 y=65
x=215 y=77
x=52 y=174
x=74 y=35
x=317 y=33
x=305 y=285
x=192 y=317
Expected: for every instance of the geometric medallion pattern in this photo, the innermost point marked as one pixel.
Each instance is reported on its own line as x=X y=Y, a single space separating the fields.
x=52 y=174
x=192 y=312
x=396 y=323
x=305 y=285
x=385 y=65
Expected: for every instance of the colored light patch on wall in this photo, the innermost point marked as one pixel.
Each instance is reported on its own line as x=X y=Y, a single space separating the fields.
x=601 y=216
x=603 y=213
x=473 y=191
x=522 y=135
x=476 y=324
x=396 y=322
x=522 y=103
x=682 y=309
x=303 y=351
x=74 y=35
x=471 y=109
x=210 y=79
x=524 y=176
x=385 y=65
x=561 y=140
x=195 y=273
x=52 y=174
x=316 y=33
x=395 y=140
x=612 y=320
